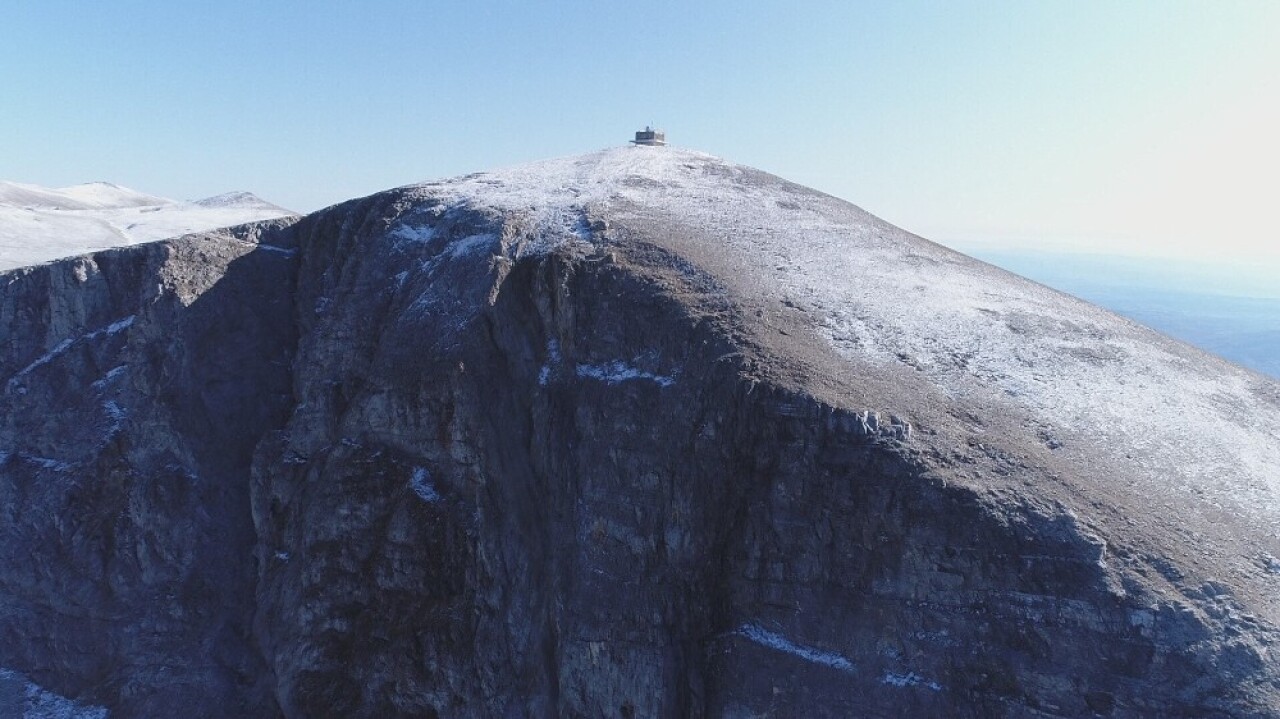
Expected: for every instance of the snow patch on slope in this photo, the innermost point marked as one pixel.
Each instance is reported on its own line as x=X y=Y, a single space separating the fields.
x=619 y=371
x=780 y=643
x=910 y=679
x=420 y=483
x=114 y=328
x=111 y=376
x=554 y=359
x=23 y=699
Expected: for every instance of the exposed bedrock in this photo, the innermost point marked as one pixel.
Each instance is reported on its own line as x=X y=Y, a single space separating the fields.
x=136 y=385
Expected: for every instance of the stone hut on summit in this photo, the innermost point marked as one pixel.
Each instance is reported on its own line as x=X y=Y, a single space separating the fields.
x=650 y=136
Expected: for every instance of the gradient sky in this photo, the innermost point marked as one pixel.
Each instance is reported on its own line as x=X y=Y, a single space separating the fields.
x=1133 y=128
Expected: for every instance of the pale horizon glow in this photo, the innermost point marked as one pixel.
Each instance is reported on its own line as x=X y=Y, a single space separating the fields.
x=1135 y=128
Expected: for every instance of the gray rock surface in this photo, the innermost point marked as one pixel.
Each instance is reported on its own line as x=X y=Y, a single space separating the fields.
x=558 y=442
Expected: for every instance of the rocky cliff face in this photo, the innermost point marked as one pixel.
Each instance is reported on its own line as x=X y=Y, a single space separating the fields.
x=635 y=434
x=134 y=383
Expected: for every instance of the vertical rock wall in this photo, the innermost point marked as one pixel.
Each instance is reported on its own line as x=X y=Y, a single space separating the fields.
x=136 y=385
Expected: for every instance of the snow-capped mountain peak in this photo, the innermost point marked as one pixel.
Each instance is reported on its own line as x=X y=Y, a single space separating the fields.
x=239 y=199
x=91 y=195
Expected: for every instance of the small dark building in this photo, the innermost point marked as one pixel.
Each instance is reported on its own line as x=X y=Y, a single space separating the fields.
x=650 y=136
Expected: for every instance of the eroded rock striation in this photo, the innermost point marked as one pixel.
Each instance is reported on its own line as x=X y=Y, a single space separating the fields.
x=638 y=433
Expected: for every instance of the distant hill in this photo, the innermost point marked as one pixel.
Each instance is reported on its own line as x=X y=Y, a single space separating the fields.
x=39 y=224
x=89 y=196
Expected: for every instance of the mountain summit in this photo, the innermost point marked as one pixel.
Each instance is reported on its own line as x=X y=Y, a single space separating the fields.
x=89 y=196
x=636 y=433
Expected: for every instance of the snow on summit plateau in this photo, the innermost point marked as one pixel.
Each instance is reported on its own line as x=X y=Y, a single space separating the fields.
x=1186 y=424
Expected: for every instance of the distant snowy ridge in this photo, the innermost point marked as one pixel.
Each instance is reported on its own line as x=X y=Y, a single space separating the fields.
x=239 y=200
x=89 y=196
x=39 y=224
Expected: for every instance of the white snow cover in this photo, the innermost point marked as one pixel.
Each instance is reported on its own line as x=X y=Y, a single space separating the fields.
x=422 y=486
x=39 y=224
x=553 y=360
x=910 y=679
x=619 y=371
x=37 y=703
x=112 y=329
x=111 y=376
x=89 y=196
x=1202 y=432
x=772 y=640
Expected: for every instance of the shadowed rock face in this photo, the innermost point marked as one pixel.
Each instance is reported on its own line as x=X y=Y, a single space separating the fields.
x=472 y=449
x=135 y=381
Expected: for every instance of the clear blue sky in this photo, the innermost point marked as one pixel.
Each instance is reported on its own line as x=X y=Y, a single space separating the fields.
x=1124 y=126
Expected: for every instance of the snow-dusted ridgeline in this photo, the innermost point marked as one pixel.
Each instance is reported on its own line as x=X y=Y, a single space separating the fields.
x=39 y=224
